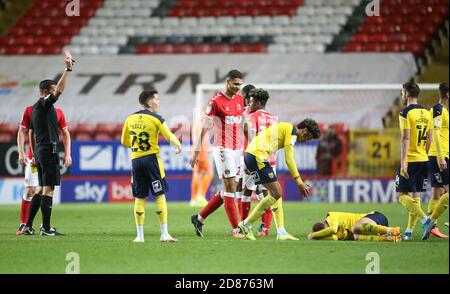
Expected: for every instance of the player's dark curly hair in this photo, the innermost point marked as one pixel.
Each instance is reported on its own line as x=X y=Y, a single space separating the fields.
x=246 y=90
x=311 y=126
x=443 y=90
x=234 y=74
x=412 y=89
x=46 y=85
x=318 y=227
x=146 y=96
x=259 y=95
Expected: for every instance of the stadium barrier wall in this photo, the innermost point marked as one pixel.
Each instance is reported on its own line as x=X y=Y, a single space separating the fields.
x=93 y=158
x=99 y=90
x=108 y=189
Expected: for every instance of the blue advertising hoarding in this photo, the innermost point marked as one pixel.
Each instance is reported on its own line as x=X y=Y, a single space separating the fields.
x=110 y=158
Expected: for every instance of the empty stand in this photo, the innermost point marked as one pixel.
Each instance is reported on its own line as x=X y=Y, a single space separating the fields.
x=403 y=26
x=110 y=27
x=46 y=29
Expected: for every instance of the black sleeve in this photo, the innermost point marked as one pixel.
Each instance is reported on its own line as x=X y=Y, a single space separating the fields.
x=48 y=102
x=31 y=125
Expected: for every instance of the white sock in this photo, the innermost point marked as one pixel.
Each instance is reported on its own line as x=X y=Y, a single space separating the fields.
x=281 y=231
x=423 y=219
x=409 y=231
x=199 y=218
x=246 y=223
x=164 y=230
x=140 y=231
x=260 y=196
x=27 y=198
x=246 y=198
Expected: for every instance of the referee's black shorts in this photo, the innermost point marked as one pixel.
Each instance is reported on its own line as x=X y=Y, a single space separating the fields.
x=47 y=164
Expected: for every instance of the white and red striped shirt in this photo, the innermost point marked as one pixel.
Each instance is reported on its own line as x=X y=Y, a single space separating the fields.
x=258 y=121
x=226 y=113
x=26 y=119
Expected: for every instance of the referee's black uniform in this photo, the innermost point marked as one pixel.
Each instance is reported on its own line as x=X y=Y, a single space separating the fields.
x=44 y=123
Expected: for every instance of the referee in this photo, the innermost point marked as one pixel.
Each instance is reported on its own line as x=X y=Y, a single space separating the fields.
x=44 y=140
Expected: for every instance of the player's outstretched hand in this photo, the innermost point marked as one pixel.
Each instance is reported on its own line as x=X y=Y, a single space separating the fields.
x=177 y=149
x=442 y=164
x=22 y=159
x=67 y=160
x=304 y=189
x=68 y=59
x=404 y=172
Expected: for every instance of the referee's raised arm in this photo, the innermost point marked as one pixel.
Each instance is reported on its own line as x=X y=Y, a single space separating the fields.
x=63 y=80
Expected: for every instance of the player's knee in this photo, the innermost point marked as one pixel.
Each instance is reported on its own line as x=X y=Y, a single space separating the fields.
x=356 y=230
x=29 y=191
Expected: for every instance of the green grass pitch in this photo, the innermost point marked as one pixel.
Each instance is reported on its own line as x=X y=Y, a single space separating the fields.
x=102 y=233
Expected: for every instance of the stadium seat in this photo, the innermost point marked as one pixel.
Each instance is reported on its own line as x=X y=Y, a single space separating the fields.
x=83 y=137
x=200 y=48
x=7 y=138
x=9 y=128
x=105 y=128
x=410 y=23
x=183 y=49
x=84 y=130
x=117 y=131
x=102 y=137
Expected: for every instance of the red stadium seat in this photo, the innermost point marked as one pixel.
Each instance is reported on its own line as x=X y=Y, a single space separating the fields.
x=44 y=40
x=371 y=47
x=183 y=49
x=379 y=38
x=105 y=128
x=360 y=38
x=239 y=48
x=386 y=28
x=164 y=49
x=37 y=31
x=23 y=41
x=145 y=49
x=52 y=50
x=419 y=38
x=17 y=31
x=340 y=128
x=5 y=137
x=103 y=137
x=9 y=128
x=416 y=48
x=33 y=50
x=83 y=137
x=117 y=132
x=323 y=127
x=84 y=128
x=352 y=47
x=258 y=48
x=201 y=48
x=399 y=38
x=14 y=50
x=391 y=47
x=218 y=48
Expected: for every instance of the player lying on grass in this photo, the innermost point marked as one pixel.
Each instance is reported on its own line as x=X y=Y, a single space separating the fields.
x=371 y=226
